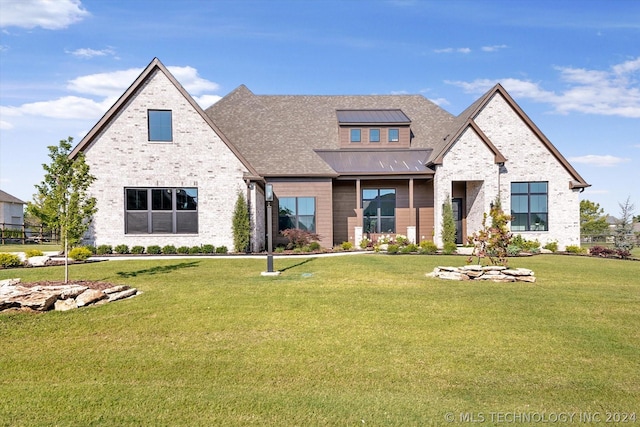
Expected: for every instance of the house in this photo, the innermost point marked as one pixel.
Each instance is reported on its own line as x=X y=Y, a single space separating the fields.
x=345 y=167
x=11 y=211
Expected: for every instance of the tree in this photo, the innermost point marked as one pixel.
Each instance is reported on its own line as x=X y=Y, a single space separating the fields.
x=241 y=224
x=62 y=201
x=492 y=241
x=593 y=221
x=623 y=233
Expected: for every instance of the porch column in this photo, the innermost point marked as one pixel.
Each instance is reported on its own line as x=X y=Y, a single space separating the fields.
x=357 y=230
x=411 y=228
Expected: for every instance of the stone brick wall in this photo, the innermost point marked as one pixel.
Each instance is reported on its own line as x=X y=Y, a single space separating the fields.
x=121 y=156
x=529 y=160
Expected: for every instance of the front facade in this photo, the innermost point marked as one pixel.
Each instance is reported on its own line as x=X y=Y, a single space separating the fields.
x=344 y=167
x=11 y=211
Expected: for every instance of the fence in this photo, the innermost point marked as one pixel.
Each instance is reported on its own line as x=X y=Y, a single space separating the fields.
x=25 y=233
x=606 y=240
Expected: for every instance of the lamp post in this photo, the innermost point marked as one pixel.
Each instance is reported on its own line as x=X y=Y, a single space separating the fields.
x=268 y=197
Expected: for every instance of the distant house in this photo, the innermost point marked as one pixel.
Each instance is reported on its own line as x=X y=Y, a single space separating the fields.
x=11 y=211
x=345 y=167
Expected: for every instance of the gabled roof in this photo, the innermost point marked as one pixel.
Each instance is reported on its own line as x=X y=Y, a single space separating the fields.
x=279 y=134
x=8 y=198
x=147 y=73
x=466 y=120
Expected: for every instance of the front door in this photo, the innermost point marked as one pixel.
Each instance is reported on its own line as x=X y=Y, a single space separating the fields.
x=457 y=217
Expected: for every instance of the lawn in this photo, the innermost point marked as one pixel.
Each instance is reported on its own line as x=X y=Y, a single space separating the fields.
x=357 y=340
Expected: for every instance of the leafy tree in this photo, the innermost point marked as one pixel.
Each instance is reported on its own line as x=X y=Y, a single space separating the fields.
x=241 y=224
x=448 y=223
x=623 y=233
x=62 y=201
x=493 y=240
x=593 y=221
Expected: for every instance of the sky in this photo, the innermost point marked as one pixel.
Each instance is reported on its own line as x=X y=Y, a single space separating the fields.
x=573 y=66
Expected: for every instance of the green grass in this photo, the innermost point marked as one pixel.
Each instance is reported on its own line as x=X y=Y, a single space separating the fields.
x=16 y=247
x=354 y=340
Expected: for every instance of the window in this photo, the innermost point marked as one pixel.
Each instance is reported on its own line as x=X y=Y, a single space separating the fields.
x=374 y=135
x=355 y=135
x=379 y=210
x=173 y=210
x=159 y=122
x=394 y=135
x=529 y=206
x=297 y=212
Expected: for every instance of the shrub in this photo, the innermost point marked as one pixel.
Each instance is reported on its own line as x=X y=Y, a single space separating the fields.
x=411 y=247
x=601 y=251
x=183 y=250
x=299 y=238
x=80 y=254
x=279 y=249
x=366 y=243
x=623 y=253
x=208 y=249
x=449 y=248
x=92 y=249
x=121 y=249
x=492 y=240
x=104 y=250
x=222 y=250
x=33 y=252
x=154 y=250
x=195 y=250
x=9 y=260
x=169 y=250
x=314 y=246
x=573 y=249
x=513 y=250
x=392 y=248
x=448 y=223
x=241 y=224
x=346 y=246
x=402 y=240
x=137 y=250
x=551 y=246
x=428 y=247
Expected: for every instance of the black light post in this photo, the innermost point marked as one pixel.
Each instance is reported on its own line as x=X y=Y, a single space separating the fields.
x=268 y=197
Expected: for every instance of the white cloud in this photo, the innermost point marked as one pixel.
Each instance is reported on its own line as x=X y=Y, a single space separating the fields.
x=464 y=50
x=614 y=92
x=600 y=161
x=106 y=88
x=4 y=125
x=206 y=101
x=493 y=48
x=48 y=14
x=90 y=53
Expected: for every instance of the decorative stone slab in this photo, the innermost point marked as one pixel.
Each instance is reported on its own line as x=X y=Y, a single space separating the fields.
x=122 y=294
x=65 y=304
x=473 y=273
x=518 y=272
x=530 y=279
x=115 y=289
x=9 y=282
x=89 y=296
x=473 y=267
x=452 y=275
x=448 y=268
x=41 y=301
x=494 y=268
x=38 y=261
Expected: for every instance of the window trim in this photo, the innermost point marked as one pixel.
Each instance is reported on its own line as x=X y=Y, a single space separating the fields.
x=379 y=217
x=150 y=112
x=296 y=215
x=396 y=131
x=352 y=133
x=371 y=139
x=175 y=213
x=529 y=226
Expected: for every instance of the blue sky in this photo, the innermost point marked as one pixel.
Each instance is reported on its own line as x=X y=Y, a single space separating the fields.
x=573 y=66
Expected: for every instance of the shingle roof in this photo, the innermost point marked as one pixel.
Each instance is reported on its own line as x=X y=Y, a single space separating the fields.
x=8 y=198
x=278 y=134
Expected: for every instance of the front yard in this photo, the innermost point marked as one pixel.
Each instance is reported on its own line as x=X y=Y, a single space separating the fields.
x=357 y=340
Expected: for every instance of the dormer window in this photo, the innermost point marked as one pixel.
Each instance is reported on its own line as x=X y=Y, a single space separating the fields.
x=355 y=135
x=394 y=135
x=374 y=135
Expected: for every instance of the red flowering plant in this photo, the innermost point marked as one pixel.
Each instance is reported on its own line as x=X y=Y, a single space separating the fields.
x=492 y=241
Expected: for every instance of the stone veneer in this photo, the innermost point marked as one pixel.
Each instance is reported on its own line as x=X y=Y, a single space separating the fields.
x=121 y=157
x=528 y=159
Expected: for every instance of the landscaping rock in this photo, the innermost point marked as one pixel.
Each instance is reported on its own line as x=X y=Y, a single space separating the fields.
x=38 y=261
x=494 y=273
x=13 y=296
